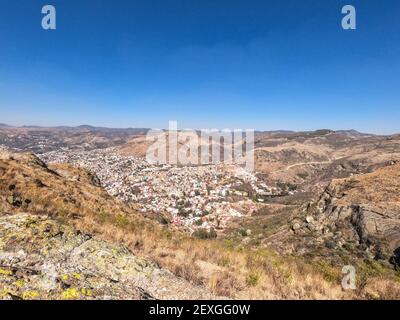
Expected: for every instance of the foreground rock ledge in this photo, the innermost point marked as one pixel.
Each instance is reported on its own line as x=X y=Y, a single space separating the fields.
x=43 y=259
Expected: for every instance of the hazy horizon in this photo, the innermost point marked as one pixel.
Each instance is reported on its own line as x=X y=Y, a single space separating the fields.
x=181 y=128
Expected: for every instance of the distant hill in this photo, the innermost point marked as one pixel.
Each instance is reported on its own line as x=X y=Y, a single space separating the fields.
x=81 y=128
x=354 y=133
x=275 y=131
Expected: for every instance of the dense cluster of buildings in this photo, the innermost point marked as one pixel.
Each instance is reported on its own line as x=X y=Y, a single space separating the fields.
x=193 y=197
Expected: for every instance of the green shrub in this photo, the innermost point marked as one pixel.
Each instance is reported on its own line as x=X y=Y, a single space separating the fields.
x=203 y=233
x=252 y=279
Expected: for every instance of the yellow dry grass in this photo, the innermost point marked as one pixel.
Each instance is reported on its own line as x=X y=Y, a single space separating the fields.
x=68 y=194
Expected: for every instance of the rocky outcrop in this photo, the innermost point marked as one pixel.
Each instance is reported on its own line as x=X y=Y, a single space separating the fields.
x=43 y=259
x=363 y=209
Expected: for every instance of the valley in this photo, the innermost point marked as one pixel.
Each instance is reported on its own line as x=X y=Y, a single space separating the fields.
x=317 y=201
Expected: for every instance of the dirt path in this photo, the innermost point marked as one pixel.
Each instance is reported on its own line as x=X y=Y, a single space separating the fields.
x=307 y=163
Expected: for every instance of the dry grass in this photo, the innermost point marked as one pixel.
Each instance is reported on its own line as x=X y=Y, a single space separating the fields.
x=69 y=194
x=226 y=271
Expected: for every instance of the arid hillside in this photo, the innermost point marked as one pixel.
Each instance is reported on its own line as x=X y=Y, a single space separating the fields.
x=70 y=212
x=330 y=199
x=39 y=140
x=41 y=252
x=42 y=258
x=306 y=159
x=313 y=159
x=361 y=212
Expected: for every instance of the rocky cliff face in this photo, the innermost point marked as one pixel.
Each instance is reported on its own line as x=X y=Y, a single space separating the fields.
x=43 y=259
x=363 y=210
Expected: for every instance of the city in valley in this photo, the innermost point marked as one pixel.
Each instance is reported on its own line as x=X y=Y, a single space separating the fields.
x=320 y=196
x=200 y=150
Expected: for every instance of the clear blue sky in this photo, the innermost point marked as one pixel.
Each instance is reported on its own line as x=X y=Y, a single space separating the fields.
x=206 y=63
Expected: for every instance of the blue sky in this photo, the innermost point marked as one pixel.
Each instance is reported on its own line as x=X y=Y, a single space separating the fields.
x=206 y=63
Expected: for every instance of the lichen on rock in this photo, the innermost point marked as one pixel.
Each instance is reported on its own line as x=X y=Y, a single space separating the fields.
x=41 y=258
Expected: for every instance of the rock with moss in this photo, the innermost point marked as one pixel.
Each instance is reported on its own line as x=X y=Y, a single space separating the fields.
x=43 y=259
